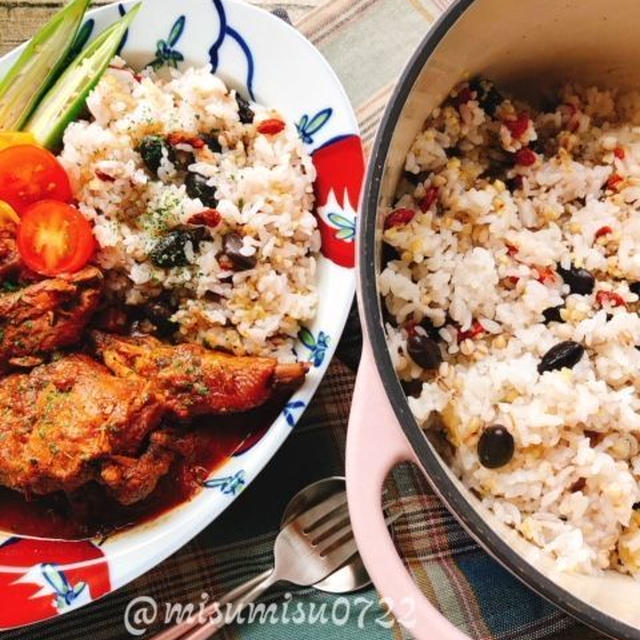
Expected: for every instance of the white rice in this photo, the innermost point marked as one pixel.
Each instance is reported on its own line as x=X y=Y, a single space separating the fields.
x=264 y=190
x=485 y=256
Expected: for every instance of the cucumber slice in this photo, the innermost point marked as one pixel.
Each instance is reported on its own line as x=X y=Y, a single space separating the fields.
x=38 y=66
x=66 y=98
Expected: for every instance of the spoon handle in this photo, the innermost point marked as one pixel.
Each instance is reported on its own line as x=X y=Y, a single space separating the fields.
x=222 y=611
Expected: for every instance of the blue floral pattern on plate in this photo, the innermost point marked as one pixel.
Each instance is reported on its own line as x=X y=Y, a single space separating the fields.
x=346 y=226
x=65 y=592
x=290 y=409
x=309 y=126
x=229 y=485
x=227 y=30
x=166 y=53
x=82 y=37
x=317 y=346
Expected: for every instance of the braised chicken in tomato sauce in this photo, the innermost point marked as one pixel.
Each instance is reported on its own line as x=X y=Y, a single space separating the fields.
x=39 y=318
x=88 y=414
x=196 y=381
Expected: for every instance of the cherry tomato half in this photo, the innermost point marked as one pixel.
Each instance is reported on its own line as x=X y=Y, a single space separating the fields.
x=29 y=173
x=7 y=215
x=54 y=237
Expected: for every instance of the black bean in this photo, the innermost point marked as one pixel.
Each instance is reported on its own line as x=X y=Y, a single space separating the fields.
x=388 y=253
x=232 y=244
x=552 y=314
x=494 y=171
x=578 y=485
x=487 y=95
x=429 y=327
x=151 y=149
x=416 y=178
x=211 y=140
x=159 y=312
x=513 y=184
x=579 y=280
x=495 y=447
x=634 y=287
x=197 y=187
x=636 y=506
x=424 y=351
x=412 y=388
x=564 y=354
x=580 y=202
x=245 y=112
x=169 y=250
x=181 y=159
x=538 y=146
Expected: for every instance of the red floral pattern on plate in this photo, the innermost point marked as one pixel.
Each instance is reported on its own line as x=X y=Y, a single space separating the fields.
x=41 y=578
x=340 y=167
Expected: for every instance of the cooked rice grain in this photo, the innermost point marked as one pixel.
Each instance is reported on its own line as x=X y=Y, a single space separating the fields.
x=264 y=188
x=503 y=204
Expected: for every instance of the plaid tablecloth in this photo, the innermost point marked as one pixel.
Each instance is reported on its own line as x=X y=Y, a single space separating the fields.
x=367 y=42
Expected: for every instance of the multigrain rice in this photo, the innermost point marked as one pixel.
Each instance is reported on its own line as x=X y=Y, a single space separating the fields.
x=501 y=204
x=263 y=188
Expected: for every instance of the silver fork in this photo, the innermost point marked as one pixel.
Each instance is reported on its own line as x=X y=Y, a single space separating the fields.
x=307 y=549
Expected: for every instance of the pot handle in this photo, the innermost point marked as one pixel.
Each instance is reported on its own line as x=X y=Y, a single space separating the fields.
x=375 y=444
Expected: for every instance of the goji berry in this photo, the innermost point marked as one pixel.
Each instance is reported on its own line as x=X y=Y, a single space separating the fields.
x=614 y=299
x=177 y=137
x=476 y=330
x=430 y=197
x=399 y=217
x=603 y=231
x=614 y=181
x=271 y=127
x=546 y=274
x=525 y=157
x=518 y=126
x=207 y=217
x=464 y=96
x=105 y=177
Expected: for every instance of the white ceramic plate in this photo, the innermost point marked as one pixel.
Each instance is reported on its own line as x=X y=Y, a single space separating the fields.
x=266 y=59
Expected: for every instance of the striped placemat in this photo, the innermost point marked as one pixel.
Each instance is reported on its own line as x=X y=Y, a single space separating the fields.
x=367 y=42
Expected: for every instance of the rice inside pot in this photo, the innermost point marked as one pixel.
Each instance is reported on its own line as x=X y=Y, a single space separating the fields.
x=514 y=248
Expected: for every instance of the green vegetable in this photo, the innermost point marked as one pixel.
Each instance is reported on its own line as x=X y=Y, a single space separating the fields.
x=151 y=151
x=66 y=98
x=38 y=66
x=169 y=251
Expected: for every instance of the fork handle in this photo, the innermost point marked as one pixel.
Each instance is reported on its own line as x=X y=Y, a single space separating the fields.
x=234 y=602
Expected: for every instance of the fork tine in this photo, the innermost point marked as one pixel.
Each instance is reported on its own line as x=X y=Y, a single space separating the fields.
x=337 y=518
x=341 y=554
x=343 y=533
x=312 y=517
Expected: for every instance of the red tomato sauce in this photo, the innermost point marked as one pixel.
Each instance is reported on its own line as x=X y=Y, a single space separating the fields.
x=90 y=511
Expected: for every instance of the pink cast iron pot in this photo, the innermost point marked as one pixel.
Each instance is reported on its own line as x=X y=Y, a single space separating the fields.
x=526 y=46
